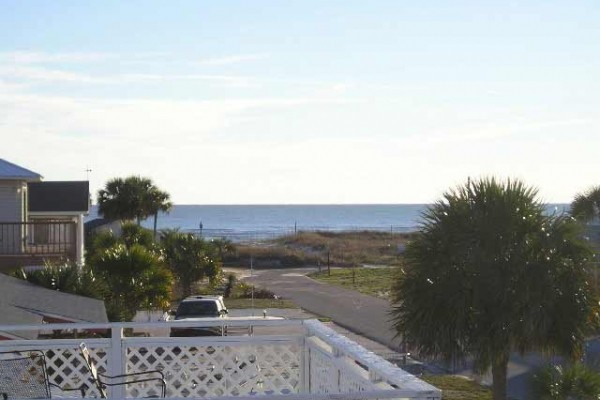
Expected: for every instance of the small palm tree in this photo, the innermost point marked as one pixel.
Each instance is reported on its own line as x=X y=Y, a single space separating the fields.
x=564 y=383
x=132 y=234
x=190 y=258
x=223 y=246
x=137 y=278
x=586 y=206
x=489 y=273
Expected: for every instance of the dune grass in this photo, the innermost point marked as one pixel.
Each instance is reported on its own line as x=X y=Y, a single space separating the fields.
x=351 y=248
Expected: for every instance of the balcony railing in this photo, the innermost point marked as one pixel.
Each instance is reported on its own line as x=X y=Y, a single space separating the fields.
x=38 y=238
x=284 y=359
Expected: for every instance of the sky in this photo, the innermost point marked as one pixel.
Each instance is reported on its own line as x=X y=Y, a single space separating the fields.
x=303 y=102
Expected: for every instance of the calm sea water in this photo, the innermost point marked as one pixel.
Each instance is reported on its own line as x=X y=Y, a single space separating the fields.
x=239 y=222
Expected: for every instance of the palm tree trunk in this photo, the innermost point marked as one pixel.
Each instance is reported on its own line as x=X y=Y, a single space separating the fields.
x=499 y=374
x=155 y=218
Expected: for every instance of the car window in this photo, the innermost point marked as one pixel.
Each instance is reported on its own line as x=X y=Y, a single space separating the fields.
x=197 y=309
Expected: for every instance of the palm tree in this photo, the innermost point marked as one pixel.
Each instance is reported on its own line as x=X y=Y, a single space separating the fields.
x=132 y=234
x=223 y=246
x=563 y=383
x=586 y=206
x=132 y=198
x=489 y=273
x=137 y=278
x=158 y=201
x=190 y=258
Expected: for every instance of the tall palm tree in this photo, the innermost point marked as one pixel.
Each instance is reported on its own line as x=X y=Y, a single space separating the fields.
x=131 y=198
x=586 y=206
x=489 y=273
x=115 y=201
x=157 y=201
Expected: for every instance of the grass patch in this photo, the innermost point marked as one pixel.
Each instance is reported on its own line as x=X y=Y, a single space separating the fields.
x=372 y=281
x=259 y=303
x=458 y=388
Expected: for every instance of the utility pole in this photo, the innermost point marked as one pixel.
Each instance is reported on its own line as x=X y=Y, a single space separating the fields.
x=252 y=290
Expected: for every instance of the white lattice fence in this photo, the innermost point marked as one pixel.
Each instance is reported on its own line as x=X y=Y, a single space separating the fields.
x=213 y=367
x=339 y=365
x=313 y=366
x=64 y=363
x=323 y=374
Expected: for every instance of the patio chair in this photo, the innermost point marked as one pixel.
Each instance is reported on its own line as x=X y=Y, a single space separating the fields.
x=23 y=375
x=102 y=381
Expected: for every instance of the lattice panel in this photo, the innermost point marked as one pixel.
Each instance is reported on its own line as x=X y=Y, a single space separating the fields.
x=323 y=373
x=350 y=384
x=218 y=370
x=66 y=367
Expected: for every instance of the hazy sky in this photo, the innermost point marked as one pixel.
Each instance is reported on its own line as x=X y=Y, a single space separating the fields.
x=304 y=101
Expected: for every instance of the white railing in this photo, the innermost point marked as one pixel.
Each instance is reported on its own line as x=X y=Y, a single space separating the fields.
x=309 y=361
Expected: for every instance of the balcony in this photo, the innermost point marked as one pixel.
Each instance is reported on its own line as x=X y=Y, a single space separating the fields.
x=30 y=243
x=278 y=359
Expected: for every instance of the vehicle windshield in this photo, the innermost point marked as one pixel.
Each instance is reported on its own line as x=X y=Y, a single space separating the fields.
x=197 y=309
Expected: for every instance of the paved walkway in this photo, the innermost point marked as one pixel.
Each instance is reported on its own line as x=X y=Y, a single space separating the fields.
x=366 y=315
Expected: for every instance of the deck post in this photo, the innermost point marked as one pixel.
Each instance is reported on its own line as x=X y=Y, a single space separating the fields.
x=305 y=366
x=79 y=244
x=116 y=363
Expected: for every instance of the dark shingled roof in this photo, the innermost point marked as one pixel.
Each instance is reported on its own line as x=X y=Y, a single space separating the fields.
x=96 y=223
x=12 y=171
x=23 y=303
x=59 y=196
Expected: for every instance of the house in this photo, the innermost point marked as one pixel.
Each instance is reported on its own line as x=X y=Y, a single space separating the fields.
x=39 y=221
x=23 y=303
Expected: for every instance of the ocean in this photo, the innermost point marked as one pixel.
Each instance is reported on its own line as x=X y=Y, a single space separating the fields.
x=249 y=222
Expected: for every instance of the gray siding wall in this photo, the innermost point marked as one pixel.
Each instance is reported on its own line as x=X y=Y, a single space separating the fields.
x=12 y=195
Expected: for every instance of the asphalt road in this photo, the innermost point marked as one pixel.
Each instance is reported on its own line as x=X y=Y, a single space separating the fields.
x=365 y=315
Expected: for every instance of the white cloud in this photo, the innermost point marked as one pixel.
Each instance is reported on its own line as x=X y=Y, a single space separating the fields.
x=26 y=73
x=178 y=143
x=29 y=74
x=33 y=57
x=232 y=59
